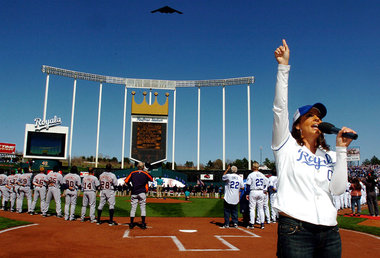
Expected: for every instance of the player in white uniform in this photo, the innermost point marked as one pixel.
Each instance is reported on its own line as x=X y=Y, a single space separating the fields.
x=89 y=185
x=4 y=191
x=257 y=183
x=24 y=182
x=233 y=184
x=272 y=189
x=72 y=183
x=39 y=182
x=308 y=174
x=363 y=199
x=108 y=184
x=347 y=196
x=266 y=202
x=54 y=181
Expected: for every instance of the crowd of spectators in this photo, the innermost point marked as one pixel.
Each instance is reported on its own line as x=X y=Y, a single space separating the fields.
x=364 y=171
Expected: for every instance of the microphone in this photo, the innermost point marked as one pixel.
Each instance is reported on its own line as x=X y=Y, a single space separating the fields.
x=331 y=129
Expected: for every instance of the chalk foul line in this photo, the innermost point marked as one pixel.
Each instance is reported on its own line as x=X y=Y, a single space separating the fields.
x=10 y=229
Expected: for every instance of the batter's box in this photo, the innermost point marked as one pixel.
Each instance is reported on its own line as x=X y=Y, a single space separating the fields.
x=190 y=242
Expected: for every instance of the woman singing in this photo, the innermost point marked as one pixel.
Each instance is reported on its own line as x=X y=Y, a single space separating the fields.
x=308 y=175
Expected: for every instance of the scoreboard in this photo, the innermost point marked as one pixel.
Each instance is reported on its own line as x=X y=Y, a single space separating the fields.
x=149 y=139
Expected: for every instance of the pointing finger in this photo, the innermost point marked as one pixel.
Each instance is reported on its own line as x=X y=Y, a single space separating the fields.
x=284 y=44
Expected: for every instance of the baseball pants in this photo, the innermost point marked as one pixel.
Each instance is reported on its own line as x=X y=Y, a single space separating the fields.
x=341 y=201
x=107 y=196
x=274 y=214
x=70 y=199
x=55 y=193
x=336 y=201
x=256 y=198
x=39 y=192
x=5 y=193
x=89 y=198
x=12 y=197
x=347 y=196
x=266 y=207
x=27 y=192
x=138 y=199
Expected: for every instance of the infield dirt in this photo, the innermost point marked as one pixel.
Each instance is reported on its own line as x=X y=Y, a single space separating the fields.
x=54 y=237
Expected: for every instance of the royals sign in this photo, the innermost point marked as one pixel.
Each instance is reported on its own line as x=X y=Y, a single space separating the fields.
x=40 y=124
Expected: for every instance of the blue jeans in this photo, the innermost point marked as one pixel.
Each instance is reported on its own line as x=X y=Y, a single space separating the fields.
x=230 y=209
x=299 y=239
x=355 y=200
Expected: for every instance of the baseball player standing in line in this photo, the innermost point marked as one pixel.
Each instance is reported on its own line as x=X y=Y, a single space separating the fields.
x=54 y=181
x=272 y=189
x=39 y=182
x=108 y=184
x=139 y=180
x=308 y=174
x=266 y=202
x=11 y=185
x=233 y=185
x=347 y=196
x=72 y=183
x=1 y=177
x=24 y=182
x=89 y=185
x=4 y=190
x=257 y=183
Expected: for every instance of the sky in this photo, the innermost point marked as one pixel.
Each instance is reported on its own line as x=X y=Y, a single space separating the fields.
x=334 y=60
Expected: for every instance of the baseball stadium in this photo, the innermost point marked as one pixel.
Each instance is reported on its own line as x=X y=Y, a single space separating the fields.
x=146 y=207
x=108 y=149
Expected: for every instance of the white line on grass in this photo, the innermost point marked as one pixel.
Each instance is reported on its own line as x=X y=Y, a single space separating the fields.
x=9 y=229
x=360 y=233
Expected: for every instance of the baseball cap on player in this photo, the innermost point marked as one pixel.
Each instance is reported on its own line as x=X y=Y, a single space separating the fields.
x=304 y=109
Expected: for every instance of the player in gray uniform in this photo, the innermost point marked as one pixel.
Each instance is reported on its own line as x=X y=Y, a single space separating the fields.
x=24 y=182
x=89 y=185
x=72 y=183
x=108 y=184
x=11 y=185
x=39 y=182
x=257 y=183
x=4 y=190
x=54 y=181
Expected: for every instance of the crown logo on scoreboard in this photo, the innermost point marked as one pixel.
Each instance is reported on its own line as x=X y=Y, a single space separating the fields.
x=145 y=109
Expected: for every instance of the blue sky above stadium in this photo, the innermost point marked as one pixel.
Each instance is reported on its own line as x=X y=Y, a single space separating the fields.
x=334 y=58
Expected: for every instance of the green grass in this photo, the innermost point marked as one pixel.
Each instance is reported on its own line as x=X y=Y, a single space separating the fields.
x=9 y=223
x=352 y=224
x=197 y=207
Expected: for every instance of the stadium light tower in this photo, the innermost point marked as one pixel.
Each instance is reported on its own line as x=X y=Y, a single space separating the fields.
x=150 y=84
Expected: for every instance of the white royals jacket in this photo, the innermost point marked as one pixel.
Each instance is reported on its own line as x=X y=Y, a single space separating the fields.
x=306 y=181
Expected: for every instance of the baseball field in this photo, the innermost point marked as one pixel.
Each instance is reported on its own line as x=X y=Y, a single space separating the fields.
x=175 y=229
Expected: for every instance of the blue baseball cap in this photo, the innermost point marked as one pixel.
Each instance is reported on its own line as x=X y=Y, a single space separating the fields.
x=304 y=109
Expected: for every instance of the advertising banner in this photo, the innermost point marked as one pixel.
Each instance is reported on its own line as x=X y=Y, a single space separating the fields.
x=207 y=177
x=353 y=154
x=7 y=148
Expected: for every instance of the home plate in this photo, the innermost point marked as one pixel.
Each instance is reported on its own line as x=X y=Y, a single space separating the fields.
x=188 y=230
